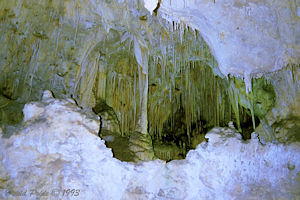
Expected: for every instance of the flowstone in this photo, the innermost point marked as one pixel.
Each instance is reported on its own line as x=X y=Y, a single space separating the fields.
x=95 y=49
x=57 y=148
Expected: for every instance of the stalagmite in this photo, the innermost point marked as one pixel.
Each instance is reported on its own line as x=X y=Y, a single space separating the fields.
x=149 y=67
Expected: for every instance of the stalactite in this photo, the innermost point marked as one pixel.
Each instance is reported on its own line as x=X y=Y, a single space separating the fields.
x=88 y=83
x=179 y=61
x=134 y=100
x=235 y=103
x=77 y=23
x=82 y=70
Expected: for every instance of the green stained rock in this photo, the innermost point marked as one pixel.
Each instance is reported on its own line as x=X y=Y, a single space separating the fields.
x=109 y=119
x=141 y=146
x=92 y=52
x=10 y=111
x=261 y=98
x=281 y=123
x=119 y=145
x=167 y=151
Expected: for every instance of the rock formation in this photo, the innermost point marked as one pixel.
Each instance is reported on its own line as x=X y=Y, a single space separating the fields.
x=58 y=155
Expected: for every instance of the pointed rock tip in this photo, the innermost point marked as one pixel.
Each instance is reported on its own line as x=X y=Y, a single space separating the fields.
x=47 y=95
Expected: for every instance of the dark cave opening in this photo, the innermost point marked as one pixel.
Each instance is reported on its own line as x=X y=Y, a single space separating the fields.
x=247 y=125
x=177 y=123
x=174 y=143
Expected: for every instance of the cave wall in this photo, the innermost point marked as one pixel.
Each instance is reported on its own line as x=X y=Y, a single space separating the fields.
x=95 y=50
x=281 y=123
x=57 y=148
x=91 y=51
x=246 y=37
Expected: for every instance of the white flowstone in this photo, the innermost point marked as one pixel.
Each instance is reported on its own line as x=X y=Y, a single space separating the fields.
x=150 y=5
x=246 y=37
x=59 y=152
x=32 y=111
x=47 y=95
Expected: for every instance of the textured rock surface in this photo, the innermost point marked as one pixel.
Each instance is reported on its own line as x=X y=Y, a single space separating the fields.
x=92 y=49
x=141 y=146
x=246 y=37
x=282 y=121
x=10 y=111
x=57 y=149
x=109 y=119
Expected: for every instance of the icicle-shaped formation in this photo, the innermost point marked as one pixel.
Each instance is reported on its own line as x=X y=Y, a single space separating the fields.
x=98 y=57
x=233 y=95
x=189 y=83
x=249 y=93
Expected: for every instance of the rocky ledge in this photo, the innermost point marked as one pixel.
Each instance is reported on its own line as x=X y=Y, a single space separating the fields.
x=56 y=154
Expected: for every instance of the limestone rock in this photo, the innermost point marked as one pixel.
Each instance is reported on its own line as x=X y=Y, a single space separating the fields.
x=119 y=145
x=141 y=146
x=32 y=111
x=59 y=151
x=167 y=152
x=151 y=5
x=83 y=49
x=10 y=111
x=109 y=118
x=246 y=37
x=282 y=121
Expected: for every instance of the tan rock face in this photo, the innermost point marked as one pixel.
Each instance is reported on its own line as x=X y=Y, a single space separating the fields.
x=92 y=49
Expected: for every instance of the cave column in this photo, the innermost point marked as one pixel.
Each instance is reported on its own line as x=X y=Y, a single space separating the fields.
x=140 y=140
x=142 y=124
